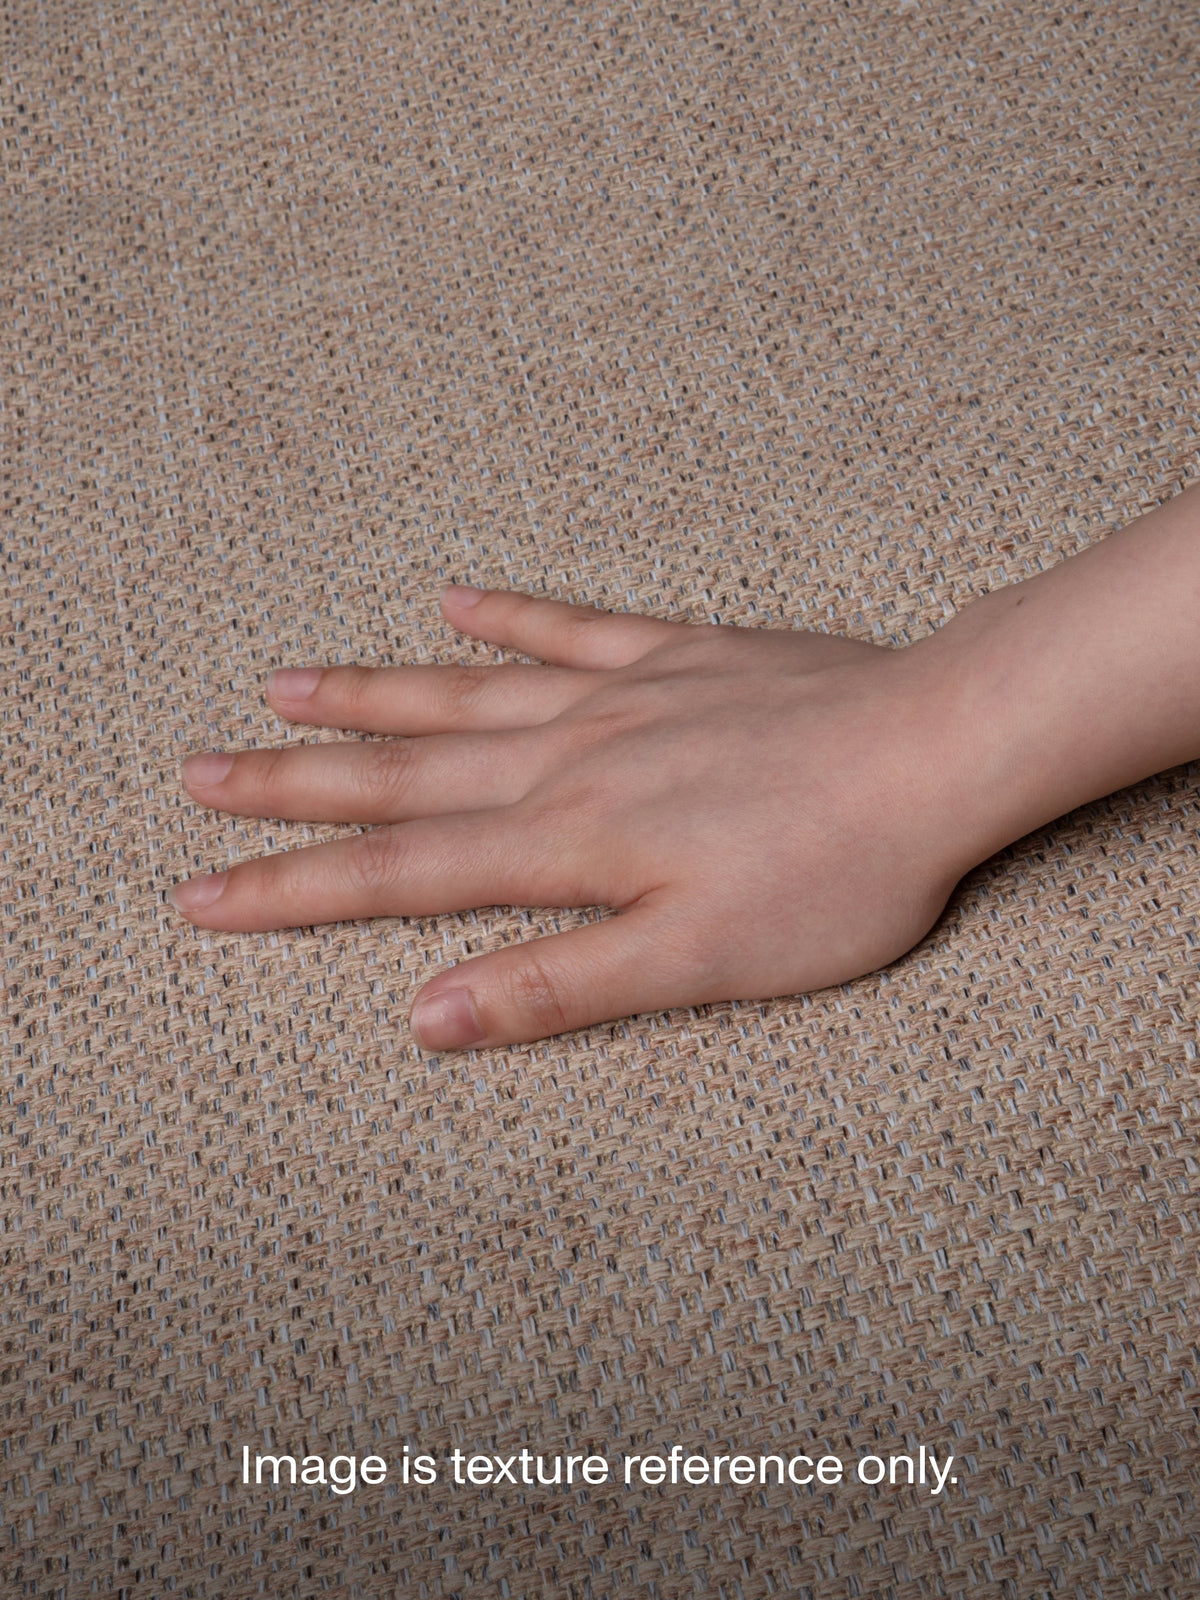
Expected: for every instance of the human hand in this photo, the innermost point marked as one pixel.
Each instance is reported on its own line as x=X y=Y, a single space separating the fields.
x=768 y=811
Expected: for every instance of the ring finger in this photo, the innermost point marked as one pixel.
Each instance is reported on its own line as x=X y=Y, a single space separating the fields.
x=384 y=780
x=426 y=699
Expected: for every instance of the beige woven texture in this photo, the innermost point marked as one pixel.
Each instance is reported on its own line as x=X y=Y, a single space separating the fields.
x=811 y=315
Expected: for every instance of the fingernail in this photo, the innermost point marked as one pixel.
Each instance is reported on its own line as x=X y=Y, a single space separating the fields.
x=193 y=894
x=211 y=767
x=462 y=594
x=446 y=1021
x=293 y=683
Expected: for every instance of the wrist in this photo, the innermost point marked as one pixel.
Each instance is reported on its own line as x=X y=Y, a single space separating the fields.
x=1074 y=683
x=1011 y=763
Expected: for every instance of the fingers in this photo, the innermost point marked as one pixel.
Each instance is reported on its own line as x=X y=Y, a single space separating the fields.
x=409 y=869
x=595 y=973
x=569 y=636
x=425 y=699
x=369 y=781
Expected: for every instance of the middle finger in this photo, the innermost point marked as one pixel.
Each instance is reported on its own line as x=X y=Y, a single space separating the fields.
x=385 y=780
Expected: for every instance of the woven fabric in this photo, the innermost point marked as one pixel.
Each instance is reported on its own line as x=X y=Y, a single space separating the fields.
x=783 y=315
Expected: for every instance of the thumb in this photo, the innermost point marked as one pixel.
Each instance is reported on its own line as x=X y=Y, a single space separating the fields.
x=595 y=973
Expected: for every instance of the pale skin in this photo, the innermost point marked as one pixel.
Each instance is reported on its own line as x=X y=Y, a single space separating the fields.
x=765 y=811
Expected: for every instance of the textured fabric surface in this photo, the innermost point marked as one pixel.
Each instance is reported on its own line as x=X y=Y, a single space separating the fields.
x=786 y=315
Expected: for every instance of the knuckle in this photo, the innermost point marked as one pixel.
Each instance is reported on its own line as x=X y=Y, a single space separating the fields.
x=355 y=686
x=516 y=606
x=372 y=862
x=580 y=732
x=536 y=995
x=460 y=690
x=271 y=773
x=580 y=808
x=706 y=641
x=385 y=775
x=581 y=618
x=614 y=709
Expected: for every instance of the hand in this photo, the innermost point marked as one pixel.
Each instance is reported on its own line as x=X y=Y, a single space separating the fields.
x=767 y=811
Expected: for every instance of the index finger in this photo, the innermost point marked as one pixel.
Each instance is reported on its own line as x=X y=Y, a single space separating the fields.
x=418 y=868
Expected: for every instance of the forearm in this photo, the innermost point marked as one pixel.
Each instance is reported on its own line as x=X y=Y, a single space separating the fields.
x=1080 y=680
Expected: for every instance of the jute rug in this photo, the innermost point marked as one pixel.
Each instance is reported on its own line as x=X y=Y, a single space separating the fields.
x=784 y=315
